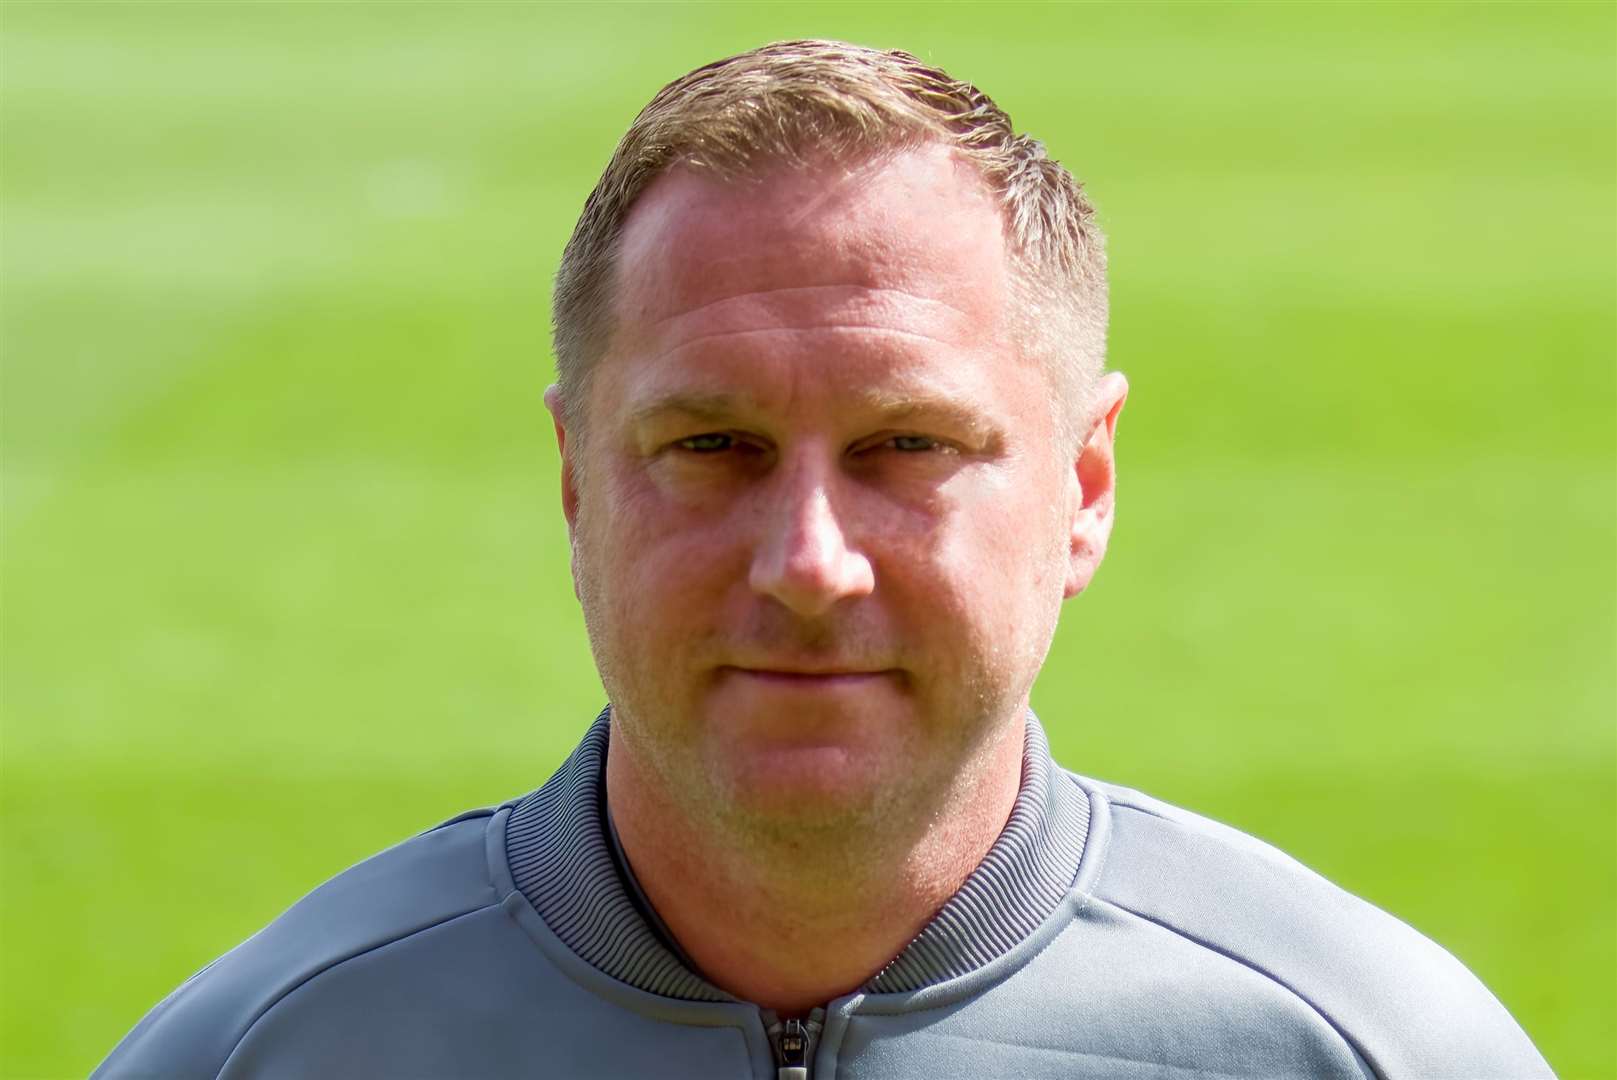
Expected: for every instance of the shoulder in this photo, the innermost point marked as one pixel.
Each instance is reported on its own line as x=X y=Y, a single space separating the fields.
x=1406 y=1005
x=421 y=883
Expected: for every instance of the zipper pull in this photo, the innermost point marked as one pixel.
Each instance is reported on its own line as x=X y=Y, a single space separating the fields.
x=793 y=1051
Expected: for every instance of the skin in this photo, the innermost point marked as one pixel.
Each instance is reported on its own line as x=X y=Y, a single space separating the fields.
x=823 y=521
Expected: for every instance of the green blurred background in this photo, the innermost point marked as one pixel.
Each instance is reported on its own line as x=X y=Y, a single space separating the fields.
x=284 y=576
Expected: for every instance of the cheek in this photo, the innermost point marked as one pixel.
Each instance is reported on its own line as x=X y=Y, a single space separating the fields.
x=995 y=577
x=655 y=559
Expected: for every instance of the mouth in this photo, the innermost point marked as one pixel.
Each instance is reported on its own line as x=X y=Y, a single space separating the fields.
x=793 y=678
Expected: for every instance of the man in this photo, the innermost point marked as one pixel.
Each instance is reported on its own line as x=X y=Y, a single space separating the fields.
x=836 y=445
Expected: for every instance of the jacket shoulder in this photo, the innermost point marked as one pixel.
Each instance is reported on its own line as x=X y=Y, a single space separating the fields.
x=415 y=885
x=1406 y=1005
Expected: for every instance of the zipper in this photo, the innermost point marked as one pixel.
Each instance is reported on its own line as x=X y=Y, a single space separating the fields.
x=793 y=1042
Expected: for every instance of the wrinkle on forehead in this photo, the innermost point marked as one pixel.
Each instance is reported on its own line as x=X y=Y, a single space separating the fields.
x=846 y=292
x=815 y=308
x=878 y=331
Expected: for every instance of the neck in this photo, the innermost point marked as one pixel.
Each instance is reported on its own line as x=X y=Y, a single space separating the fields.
x=791 y=922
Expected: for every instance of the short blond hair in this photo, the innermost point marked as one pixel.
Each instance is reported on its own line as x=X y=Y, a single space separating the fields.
x=802 y=101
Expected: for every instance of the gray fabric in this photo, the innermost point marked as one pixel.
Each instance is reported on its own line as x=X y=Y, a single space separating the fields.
x=1240 y=898
x=1184 y=950
x=1109 y=996
x=426 y=882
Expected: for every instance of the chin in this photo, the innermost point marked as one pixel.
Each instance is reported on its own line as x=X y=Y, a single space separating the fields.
x=804 y=786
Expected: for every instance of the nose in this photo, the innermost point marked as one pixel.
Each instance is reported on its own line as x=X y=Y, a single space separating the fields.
x=803 y=558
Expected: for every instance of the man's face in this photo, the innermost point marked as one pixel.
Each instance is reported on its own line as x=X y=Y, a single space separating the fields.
x=822 y=514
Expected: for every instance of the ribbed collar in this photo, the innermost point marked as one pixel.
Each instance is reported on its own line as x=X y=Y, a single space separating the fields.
x=560 y=853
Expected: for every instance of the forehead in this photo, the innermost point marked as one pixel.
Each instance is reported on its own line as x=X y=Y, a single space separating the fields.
x=913 y=239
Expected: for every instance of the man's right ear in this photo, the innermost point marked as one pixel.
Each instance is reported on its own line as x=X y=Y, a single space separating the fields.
x=569 y=482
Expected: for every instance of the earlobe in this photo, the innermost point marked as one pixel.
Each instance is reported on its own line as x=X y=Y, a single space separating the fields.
x=569 y=480
x=1095 y=475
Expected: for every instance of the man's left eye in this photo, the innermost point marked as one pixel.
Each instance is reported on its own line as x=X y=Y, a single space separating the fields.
x=712 y=442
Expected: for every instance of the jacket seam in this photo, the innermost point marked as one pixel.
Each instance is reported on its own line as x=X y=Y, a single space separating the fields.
x=333 y=965
x=1352 y=1046
x=1138 y=809
x=467 y=815
x=1105 y=842
x=1080 y=901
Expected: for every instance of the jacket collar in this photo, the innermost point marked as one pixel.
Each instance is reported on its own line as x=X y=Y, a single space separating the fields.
x=561 y=858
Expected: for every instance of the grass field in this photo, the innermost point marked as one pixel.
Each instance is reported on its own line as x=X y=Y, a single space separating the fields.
x=284 y=578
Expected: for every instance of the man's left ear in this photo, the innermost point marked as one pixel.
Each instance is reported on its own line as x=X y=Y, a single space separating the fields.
x=1095 y=472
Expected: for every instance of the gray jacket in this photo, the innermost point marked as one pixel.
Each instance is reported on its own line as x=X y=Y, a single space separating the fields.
x=1105 y=935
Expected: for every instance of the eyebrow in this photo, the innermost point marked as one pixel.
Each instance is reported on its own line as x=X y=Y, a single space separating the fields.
x=698 y=406
x=891 y=407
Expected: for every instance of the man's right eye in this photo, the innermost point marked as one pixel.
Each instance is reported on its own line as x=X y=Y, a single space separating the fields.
x=710 y=443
